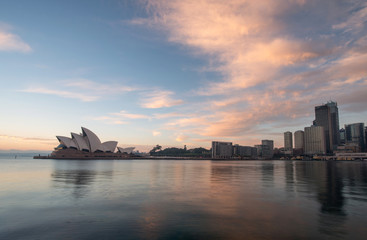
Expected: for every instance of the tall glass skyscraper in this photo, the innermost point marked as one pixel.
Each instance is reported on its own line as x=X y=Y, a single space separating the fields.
x=327 y=116
x=355 y=133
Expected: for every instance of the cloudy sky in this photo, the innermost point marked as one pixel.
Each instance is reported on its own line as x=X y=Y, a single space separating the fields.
x=175 y=72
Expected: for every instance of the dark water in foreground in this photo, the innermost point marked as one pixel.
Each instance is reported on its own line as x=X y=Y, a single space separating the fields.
x=145 y=199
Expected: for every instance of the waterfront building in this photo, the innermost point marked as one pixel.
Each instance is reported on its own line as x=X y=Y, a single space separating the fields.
x=355 y=134
x=288 y=143
x=259 y=148
x=87 y=141
x=244 y=151
x=327 y=116
x=314 y=140
x=87 y=145
x=299 y=142
x=267 y=150
x=222 y=150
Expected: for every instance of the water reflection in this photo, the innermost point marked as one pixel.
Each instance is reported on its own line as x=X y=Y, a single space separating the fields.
x=146 y=199
x=267 y=170
x=330 y=193
x=79 y=175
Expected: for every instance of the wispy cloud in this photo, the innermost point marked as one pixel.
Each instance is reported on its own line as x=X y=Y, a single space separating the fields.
x=8 y=142
x=12 y=42
x=126 y=115
x=81 y=89
x=66 y=94
x=47 y=140
x=357 y=20
x=159 y=99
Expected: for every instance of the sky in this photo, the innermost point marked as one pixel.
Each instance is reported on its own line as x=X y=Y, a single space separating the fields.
x=177 y=72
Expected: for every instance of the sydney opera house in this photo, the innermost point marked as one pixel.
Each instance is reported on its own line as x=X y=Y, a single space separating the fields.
x=87 y=145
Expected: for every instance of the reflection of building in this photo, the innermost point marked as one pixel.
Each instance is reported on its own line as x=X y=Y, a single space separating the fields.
x=314 y=140
x=222 y=150
x=288 y=143
x=354 y=134
x=299 y=142
x=267 y=148
x=327 y=116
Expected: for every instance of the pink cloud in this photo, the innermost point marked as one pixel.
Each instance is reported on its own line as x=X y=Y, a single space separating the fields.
x=12 y=42
x=159 y=99
x=274 y=70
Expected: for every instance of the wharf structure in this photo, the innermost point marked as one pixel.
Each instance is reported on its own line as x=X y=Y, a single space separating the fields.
x=87 y=145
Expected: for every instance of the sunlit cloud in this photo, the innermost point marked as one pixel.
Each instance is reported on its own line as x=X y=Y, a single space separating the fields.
x=276 y=62
x=11 y=42
x=126 y=115
x=159 y=99
x=181 y=137
x=122 y=117
x=156 y=133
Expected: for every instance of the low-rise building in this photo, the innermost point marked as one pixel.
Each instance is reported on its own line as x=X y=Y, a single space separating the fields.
x=222 y=150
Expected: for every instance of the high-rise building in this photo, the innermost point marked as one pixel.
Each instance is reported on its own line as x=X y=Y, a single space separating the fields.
x=355 y=134
x=299 y=142
x=327 y=116
x=267 y=148
x=288 y=143
x=314 y=140
x=222 y=150
x=299 y=139
x=342 y=136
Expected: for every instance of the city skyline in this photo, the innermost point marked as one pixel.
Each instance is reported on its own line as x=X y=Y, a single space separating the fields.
x=178 y=73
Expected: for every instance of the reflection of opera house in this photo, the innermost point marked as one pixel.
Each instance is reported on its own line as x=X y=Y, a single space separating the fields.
x=88 y=146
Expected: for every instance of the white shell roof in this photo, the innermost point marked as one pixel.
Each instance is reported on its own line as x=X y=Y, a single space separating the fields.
x=80 y=141
x=68 y=142
x=94 y=142
x=88 y=140
x=109 y=146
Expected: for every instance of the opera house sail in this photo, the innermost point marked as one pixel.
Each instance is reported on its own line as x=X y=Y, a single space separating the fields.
x=87 y=145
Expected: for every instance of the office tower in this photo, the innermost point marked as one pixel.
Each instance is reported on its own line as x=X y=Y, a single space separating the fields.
x=355 y=134
x=327 y=116
x=314 y=140
x=288 y=143
x=342 y=136
x=267 y=148
x=299 y=142
x=222 y=150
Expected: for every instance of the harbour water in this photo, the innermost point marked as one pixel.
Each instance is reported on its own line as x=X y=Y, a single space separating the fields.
x=192 y=199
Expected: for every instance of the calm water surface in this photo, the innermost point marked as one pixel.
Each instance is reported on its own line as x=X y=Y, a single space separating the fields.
x=145 y=199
